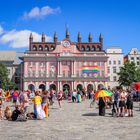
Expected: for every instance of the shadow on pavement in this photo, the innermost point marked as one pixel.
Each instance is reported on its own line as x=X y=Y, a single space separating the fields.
x=90 y=114
x=54 y=108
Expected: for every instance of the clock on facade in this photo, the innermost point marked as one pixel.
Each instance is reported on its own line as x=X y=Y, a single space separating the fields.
x=66 y=43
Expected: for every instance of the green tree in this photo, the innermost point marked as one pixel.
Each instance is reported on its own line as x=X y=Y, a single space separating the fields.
x=128 y=74
x=137 y=75
x=4 y=80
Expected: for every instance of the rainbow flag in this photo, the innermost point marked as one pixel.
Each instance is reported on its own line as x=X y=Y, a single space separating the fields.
x=90 y=69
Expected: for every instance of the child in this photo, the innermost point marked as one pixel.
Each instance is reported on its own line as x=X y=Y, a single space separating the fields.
x=8 y=113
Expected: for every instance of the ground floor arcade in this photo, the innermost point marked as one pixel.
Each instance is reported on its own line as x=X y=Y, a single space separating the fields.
x=64 y=85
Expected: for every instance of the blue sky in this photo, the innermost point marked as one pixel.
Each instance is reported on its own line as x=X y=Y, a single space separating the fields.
x=117 y=20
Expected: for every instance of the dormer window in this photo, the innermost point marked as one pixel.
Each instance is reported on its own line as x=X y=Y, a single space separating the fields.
x=82 y=48
x=93 y=48
x=88 y=48
x=98 y=48
x=46 y=48
x=40 y=48
x=52 y=48
x=34 y=48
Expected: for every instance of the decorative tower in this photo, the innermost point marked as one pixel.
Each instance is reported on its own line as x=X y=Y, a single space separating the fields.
x=90 y=38
x=79 y=37
x=67 y=34
x=55 y=38
x=43 y=38
x=30 y=41
x=101 y=39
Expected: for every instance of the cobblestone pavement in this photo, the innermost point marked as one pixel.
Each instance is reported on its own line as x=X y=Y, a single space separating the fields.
x=74 y=121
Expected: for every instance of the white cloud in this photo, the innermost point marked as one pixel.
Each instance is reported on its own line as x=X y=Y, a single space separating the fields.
x=20 y=39
x=1 y=30
x=37 y=12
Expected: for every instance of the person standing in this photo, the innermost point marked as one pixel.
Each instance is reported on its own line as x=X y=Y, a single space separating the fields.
x=25 y=102
x=39 y=112
x=79 y=96
x=74 y=96
x=1 y=106
x=15 y=96
x=102 y=105
x=122 y=105
x=129 y=104
x=59 y=98
x=45 y=103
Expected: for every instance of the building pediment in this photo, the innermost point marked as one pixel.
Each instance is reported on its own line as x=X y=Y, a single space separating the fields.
x=134 y=51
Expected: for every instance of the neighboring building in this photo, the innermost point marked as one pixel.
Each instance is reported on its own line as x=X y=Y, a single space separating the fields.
x=115 y=61
x=65 y=65
x=13 y=64
x=133 y=56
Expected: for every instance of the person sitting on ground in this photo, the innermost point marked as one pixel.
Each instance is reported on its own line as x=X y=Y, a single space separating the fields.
x=16 y=113
x=31 y=116
x=8 y=113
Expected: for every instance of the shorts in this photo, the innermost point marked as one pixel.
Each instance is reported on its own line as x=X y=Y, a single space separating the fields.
x=129 y=105
x=122 y=104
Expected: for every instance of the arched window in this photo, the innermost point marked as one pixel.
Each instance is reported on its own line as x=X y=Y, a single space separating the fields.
x=98 y=48
x=88 y=48
x=52 y=48
x=46 y=48
x=34 y=48
x=40 y=48
x=83 y=48
x=93 y=48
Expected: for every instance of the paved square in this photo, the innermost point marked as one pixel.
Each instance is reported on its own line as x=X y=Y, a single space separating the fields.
x=74 y=122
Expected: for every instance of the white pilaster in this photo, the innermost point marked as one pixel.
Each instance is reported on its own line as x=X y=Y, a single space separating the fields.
x=25 y=86
x=36 y=85
x=47 y=85
x=61 y=86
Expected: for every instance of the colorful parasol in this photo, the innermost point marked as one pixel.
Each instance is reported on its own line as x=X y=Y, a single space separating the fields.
x=103 y=93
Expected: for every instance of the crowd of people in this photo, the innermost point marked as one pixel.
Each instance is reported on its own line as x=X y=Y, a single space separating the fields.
x=121 y=102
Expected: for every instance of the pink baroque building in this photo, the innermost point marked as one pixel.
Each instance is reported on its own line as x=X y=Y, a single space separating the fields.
x=65 y=65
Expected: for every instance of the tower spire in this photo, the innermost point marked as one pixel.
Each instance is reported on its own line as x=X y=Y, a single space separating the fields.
x=101 y=39
x=55 y=37
x=30 y=41
x=90 y=38
x=79 y=37
x=67 y=33
x=43 y=37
